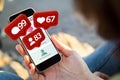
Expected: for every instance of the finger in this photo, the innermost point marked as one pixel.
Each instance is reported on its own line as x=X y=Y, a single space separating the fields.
x=66 y=51
x=36 y=75
x=20 y=49
x=102 y=75
x=27 y=60
x=32 y=68
x=33 y=72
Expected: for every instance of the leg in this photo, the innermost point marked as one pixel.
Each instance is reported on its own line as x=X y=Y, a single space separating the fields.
x=8 y=76
x=105 y=59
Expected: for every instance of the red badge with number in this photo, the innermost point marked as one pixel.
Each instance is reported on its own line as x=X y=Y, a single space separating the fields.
x=45 y=19
x=34 y=39
x=18 y=27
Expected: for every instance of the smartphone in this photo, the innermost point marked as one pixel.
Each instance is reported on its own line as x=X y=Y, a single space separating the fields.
x=44 y=56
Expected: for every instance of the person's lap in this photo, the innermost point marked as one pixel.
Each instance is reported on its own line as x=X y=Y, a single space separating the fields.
x=8 y=76
x=105 y=59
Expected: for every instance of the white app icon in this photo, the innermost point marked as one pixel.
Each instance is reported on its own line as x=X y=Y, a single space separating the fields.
x=41 y=20
x=15 y=30
x=31 y=41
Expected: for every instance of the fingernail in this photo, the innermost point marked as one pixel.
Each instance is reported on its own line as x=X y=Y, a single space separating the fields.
x=17 y=47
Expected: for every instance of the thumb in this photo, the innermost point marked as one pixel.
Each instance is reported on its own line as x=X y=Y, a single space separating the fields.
x=65 y=50
x=102 y=75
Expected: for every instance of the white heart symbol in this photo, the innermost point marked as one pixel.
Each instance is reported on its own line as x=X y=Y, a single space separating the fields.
x=40 y=20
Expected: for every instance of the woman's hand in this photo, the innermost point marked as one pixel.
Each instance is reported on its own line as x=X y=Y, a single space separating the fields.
x=102 y=75
x=71 y=67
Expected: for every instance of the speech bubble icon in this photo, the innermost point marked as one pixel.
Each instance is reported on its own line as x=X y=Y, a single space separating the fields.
x=45 y=19
x=34 y=39
x=15 y=30
x=18 y=27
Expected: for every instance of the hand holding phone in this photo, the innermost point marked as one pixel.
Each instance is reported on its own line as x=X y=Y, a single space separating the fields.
x=44 y=54
x=71 y=67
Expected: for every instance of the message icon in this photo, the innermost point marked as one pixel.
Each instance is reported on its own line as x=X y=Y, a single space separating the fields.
x=34 y=39
x=45 y=19
x=18 y=27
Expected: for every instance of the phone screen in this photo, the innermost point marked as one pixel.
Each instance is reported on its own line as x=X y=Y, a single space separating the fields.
x=46 y=49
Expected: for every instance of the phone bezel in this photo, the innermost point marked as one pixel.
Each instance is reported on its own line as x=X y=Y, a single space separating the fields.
x=49 y=62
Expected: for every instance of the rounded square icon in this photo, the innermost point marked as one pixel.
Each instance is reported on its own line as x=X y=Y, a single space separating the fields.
x=18 y=27
x=34 y=39
x=45 y=19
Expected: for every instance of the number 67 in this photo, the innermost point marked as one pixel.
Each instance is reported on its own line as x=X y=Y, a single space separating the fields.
x=50 y=19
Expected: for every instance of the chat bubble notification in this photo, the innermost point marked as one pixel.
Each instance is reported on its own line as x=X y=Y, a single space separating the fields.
x=18 y=27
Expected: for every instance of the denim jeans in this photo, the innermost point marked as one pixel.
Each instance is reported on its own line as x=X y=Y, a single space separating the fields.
x=105 y=59
x=8 y=76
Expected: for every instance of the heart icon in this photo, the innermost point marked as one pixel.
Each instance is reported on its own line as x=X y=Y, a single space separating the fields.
x=41 y=20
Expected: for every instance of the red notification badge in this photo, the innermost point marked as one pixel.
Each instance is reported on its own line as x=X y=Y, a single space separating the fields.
x=18 y=27
x=34 y=39
x=45 y=19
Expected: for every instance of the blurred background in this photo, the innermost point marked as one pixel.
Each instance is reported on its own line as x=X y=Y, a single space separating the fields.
x=70 y=30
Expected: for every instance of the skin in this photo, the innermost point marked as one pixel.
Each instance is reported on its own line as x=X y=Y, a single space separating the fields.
x=71 y=67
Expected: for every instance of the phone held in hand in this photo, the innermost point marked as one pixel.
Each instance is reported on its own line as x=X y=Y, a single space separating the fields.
x=46 y=54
